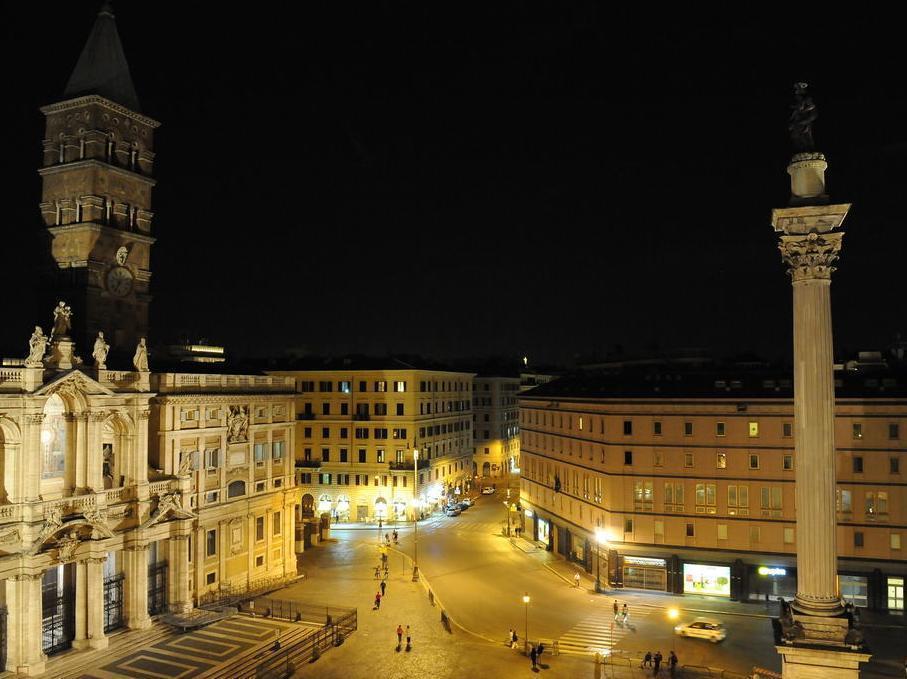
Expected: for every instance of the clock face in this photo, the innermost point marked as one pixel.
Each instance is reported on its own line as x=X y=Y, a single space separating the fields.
x=119 y=281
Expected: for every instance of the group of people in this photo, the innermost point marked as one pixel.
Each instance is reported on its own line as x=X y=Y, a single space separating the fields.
x=621 y=615
x=654 y=661
x=387 y=538
x=409 y=637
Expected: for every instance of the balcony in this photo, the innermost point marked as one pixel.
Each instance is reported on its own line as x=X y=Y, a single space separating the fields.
x=308 y=464
x=305 y=416
x=407 y=466
x=361 y=417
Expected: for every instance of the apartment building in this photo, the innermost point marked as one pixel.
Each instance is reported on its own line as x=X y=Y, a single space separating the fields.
x=358 y=423
x=497 y=429
x=685 y=482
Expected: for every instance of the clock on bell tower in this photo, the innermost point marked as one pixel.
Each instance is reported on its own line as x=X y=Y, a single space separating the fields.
x=96 y=193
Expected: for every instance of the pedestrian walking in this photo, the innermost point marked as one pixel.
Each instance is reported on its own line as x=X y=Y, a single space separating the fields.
x=399 y=635
x=532 y=656
x=395 y=536
x=672 y=661
x=513 y=639
x=657 y=659
x=576 y=579
x=378 y=572
x=538 y=653
x=615 y=608
x=387 y=539
x=377 y=600
x=624 y=611
x=409 y=639
x=383 y=586
x=647 y=661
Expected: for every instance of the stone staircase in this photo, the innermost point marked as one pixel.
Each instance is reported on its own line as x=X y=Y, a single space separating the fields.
x=246 y=664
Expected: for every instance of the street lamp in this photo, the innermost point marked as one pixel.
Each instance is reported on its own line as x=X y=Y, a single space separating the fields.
x=415 y=514
x=600 y=537
x=526 y=638
x=672 y=616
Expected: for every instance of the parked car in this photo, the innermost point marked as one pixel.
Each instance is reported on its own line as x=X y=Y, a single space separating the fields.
x=468 y=501
x=488 y=490
x=462 y=506
x=702 y=628
x=452 y=510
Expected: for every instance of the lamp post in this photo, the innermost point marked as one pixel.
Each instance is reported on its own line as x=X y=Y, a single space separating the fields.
x=672 y=616
x=526 y=638
x=600 y=538
x=415 y=514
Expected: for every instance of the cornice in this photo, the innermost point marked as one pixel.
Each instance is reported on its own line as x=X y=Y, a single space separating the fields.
x=99 y=228
x=102 y=101
x=93 y=162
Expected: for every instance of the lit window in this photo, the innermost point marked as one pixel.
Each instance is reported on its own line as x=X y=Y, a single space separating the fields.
x=843 y=500
x=857 y=431
x=399 y=386
x=722 y=531
x=788 y=536
x=895 y=540
x=754 y=429
x=688 y=460
x=721 y=461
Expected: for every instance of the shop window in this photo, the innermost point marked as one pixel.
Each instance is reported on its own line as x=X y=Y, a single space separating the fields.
x=721 y=460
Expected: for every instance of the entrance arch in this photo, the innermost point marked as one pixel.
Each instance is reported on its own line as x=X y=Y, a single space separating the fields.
x=486 y=469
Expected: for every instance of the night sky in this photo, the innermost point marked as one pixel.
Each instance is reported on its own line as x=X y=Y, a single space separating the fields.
x=504 y=178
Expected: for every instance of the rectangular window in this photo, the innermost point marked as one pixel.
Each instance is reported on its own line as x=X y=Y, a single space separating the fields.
x=212 y=458
x=754 y=461
x=691 y=530
x=843 y=501
x=325 y=386
x=659 y=529
x=787 y=430
x=722 y=531
x=344 y=455
x=721 y=460
x=307 y=433
x=628 y=427
x=628 y=525
x=673 y=496
x=260 y=455
x=399 y=433
x=325 y=455
x=380 y=455
x=628 y=457
x=210 y=578
x=770 y=502
x=705 y=498
x=755 y=534
x=857 y=464
x=656 y=428
x=363 y=386
x=787 y=463
x=381 y=385
x=738 y=500
x=259 y=528
x=399 y=409
x=688 y=460
x=362 y=455
x=857 y=430
x=657 y=458
x=399 y=386
x=788 y=536
x=325 y=408
x=753 y=429
x=894 y=465
x=344 y=432
x=275 y=519
x=211 y=543
x=858 y=538
x=894 y=431
x=719 y=429
x=643 y=496
x=324 y=479
x=277 y=450
x=895 y=540
x=687 y=428
x=325 y=432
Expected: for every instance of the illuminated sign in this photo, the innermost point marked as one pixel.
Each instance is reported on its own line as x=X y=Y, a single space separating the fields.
x=528 y=512
x=702 y=579
x=765 y=570
x=643 y=561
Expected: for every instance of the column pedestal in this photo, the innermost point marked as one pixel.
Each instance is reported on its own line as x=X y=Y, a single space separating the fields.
x=804 y=662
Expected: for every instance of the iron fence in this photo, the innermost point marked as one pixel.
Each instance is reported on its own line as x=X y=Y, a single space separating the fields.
x=285 y=662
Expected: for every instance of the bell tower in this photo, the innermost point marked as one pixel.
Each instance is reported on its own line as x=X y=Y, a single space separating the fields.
x=96 y=194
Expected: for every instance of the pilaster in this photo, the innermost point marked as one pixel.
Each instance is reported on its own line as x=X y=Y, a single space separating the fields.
x=24 y=624
x=135 y=567
x=178 y=558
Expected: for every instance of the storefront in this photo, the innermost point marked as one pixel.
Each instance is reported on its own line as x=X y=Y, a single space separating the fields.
x=706 y=579
x=542 y=530
x=773 y=581
x=854 y=589
x=645 y=573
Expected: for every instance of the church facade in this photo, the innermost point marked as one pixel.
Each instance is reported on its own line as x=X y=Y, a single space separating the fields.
x=124 y=493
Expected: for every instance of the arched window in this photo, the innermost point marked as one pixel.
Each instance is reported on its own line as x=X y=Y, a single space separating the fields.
x=53 y=439
x=236 y=489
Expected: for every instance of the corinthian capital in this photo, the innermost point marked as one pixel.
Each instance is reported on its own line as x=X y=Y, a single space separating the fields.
x=810 y=256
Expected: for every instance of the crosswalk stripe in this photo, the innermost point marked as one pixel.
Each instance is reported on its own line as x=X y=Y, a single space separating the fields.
x=596 y=632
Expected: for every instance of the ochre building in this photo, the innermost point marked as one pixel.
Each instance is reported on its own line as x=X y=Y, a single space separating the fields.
x=497 y=428
x=685 y=483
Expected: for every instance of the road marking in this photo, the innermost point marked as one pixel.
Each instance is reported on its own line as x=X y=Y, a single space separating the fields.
x=596 y=632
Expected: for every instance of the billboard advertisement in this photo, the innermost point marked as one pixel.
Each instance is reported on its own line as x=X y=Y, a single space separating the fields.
x=701 y=578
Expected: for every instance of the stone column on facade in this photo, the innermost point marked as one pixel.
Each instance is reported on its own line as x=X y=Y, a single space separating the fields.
x=80 y=633
x=80 y=426
x=810 y=247
x=94 y=567
x=27 y=484
x=135 y=586
x=95 y=457
x=24 y=653
x=178 y=558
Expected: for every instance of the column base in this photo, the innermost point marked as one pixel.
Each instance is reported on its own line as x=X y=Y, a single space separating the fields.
x=181 y=608
x=810 y=662
x=30 y=670
x=90 y=644
x=140 y=623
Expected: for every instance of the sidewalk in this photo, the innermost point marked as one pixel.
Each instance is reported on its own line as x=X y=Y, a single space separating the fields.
x=371 y=650
x=684 y=602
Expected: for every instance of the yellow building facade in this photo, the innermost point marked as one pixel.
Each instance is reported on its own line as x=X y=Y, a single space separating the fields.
x=356 y=430
x=497 y=429
x=689 y=487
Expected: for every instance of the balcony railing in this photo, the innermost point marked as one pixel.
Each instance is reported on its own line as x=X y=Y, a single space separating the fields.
x=361 y=417
x=407 y=465
x=308 y=464
x=305 y=416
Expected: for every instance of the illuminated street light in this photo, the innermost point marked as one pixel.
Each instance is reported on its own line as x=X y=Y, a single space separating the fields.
x=601 y=537
x=415 y=514
x=673 y=613
x=526 y=638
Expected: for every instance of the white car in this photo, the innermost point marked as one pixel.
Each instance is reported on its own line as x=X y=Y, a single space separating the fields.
x=488 y=490
x=452 y=510
x=702 y=628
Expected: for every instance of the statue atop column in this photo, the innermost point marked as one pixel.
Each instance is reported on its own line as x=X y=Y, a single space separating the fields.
x=101 y=349
x=802 y=116
x=37 y=347
x=62 y=321
x=140 y=360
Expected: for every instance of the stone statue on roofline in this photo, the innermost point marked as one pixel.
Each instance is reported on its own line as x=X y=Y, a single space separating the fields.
x=62 y=321
x=37 y=347
x=140 y=359
x=101 y=349
x=802 y=116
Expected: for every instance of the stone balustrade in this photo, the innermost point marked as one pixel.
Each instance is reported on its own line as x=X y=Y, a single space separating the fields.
x=188 y=383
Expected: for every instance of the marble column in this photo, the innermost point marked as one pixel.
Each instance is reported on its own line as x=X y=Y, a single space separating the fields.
x=24 y=654
x=135 y=586
x=94 y=568
x=817 y=638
